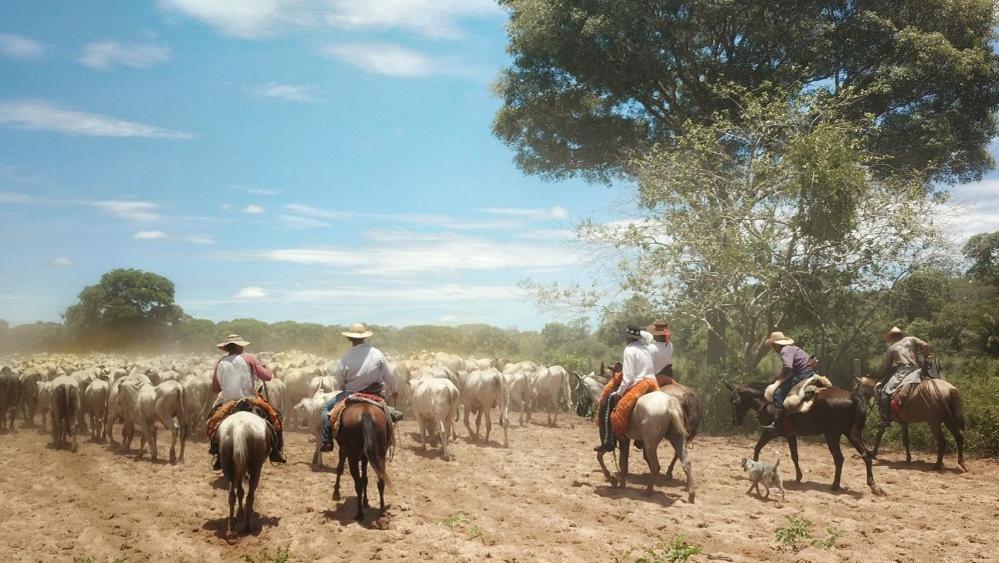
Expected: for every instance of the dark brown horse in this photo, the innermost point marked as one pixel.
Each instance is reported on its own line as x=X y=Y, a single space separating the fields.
x=363 y=438
x=835 y=413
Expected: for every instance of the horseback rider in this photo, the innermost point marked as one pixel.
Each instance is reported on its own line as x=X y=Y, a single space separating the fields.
x=659 y=342
x=362 y=368
x=796 y=366
x=233 y=377
x=901 y=367
x=637 y=366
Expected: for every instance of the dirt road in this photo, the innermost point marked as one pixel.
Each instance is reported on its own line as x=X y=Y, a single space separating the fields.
x=542 y=499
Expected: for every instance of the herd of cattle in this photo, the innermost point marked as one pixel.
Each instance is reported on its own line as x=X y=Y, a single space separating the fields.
x=74 y=394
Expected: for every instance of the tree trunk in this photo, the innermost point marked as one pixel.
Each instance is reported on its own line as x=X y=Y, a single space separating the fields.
x=716 y=343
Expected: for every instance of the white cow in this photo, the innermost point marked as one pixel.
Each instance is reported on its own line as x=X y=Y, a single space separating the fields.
x=96 y=400
x=146 y=405
x=520 y=391
x=65 y=404
x=485 y=389
x=43 y=400
x=198 y=398
x=551 y=387
x=309 y=413
x=276 y=392
x=434 y=407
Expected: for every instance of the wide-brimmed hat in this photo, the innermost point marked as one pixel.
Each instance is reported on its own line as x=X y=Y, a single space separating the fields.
x=894 y=331
x=632 y=333
x=779 y=339
x=233 y=339
x=357 y=331
x=658 y=328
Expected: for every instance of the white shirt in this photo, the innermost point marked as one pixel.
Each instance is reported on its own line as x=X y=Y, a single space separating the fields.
x=637 y=366
x=662 y=352
x=360 y=367
x=235 y=378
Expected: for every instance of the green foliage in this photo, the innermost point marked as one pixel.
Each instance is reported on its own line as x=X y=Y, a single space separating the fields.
x=672 y=551
x=280 y=555
x=594 y=83
x=126 y=308
x=828 y=542
x=982 y=250
x=798 y=530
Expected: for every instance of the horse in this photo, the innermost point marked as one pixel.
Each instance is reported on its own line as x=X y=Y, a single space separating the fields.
x=934 y=401
x=836 y=412
x=363 y=438
x=656 y=416
x=588 y=390
x=245 y=441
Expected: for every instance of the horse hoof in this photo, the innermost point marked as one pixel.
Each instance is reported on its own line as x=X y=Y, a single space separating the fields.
x=938 y=467
x=690 y=498
x=877 y=491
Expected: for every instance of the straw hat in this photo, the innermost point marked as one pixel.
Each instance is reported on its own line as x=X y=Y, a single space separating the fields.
x=658 y=328
x=894 y=331
x=233 y=339
x=357 y=331
x=779 y=339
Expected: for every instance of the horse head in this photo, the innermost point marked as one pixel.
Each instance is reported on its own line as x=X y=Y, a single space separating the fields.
x=744 y=397
x=583 y=400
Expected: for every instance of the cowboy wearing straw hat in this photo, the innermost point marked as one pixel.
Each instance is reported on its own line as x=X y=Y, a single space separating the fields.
x=660 y=344
x=362 y=368
x=233 y=378
x=901 y=367
x=796 y=366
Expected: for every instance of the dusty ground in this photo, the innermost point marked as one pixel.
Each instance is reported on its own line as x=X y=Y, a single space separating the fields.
x=542 y=499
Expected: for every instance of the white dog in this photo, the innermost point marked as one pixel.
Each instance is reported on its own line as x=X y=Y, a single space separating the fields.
x=765 y=473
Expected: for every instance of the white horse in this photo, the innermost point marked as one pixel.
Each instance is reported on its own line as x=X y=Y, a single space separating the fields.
x=245 y=442
x=656 y=416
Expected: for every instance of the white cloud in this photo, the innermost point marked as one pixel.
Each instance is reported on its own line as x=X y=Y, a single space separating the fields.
x=149 y=235
x=254 y=210
x=449 y=292
x=199 y=239
x=289 y=92
x=386 y=59
x=62 y=262
x=14 y=197
x=246 y=19
x=974 y=208
x=559 y=213
x=255 y=190
x=131 y=210
x=20 y=48
x=305 y=216
x=404 y=255
x=433 y=18
x=255 y=19
x=252 y=292
x=43 y=115
x=297 y=222
x=105 y=55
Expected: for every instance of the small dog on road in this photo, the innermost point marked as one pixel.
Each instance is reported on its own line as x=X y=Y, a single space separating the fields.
x=765 y=473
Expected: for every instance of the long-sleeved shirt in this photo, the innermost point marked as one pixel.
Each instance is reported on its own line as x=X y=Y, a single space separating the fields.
x=233 y=376
x=362 y=366
x=662 y=352
x=794 y=360
x=637 y=365
x=903 y=353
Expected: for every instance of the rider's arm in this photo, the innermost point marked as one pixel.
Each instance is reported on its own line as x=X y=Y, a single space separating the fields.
x=627 y=371
x=216 y=386
x=787 y=362
x=258 y=368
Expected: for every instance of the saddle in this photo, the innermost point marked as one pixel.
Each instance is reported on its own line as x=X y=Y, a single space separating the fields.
x=802 y=396
x=365 y=396
x=225 y=410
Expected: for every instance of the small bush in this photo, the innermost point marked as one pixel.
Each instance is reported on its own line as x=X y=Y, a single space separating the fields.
x=798 y=529
x=834 y=534
x=281 y=555
x=672 y=551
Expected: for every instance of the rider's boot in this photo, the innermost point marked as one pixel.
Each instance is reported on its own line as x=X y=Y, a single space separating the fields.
x=213 y=450
x=606 y=431
x=777 y=425
x=277 y=452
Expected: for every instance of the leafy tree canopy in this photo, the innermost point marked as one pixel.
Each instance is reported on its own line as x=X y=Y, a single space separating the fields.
x=596 y=82
x=982 y=250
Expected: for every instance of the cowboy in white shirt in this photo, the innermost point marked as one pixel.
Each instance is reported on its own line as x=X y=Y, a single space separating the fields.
x=636 y=366
x=660 y=346
x=362 y=368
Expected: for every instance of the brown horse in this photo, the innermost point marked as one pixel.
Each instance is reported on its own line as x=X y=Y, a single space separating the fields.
x=363 y=438
x=934 y=401
x=835 y=413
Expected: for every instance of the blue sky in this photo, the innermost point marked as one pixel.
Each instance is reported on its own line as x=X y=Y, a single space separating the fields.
x=324 y=161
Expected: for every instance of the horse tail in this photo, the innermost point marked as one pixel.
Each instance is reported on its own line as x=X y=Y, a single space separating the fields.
x=693 y=413
x=239 y=445
x=949 y=404
x=677 y=418
x=956 y=409
x=374 y=446
x=859 y=413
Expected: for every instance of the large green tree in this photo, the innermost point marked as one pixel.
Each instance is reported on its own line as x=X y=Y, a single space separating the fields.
x=594 y=83
x=126 y=308
x=982 y=251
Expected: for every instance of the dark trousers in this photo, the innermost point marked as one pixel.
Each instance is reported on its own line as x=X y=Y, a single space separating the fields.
x=785 y=387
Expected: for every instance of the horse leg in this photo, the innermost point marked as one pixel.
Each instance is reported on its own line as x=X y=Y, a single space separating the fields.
x=955 y=431
x=938 y=434
x=381 y=496
x=251 y=494
x=856 y=439
x=679 y=443
x=232 y=507
x=669 y=470
x=905 y=441
x=792 y=444
x=241 y=513
x=339 y=473
x=832 y=441
x=355 y=473
x=652 y=460
x=625 y=446
x=603 y=467
x=877 y=438
x=364 y=480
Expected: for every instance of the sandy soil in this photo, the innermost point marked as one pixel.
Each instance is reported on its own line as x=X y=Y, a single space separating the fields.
x=543 y=499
